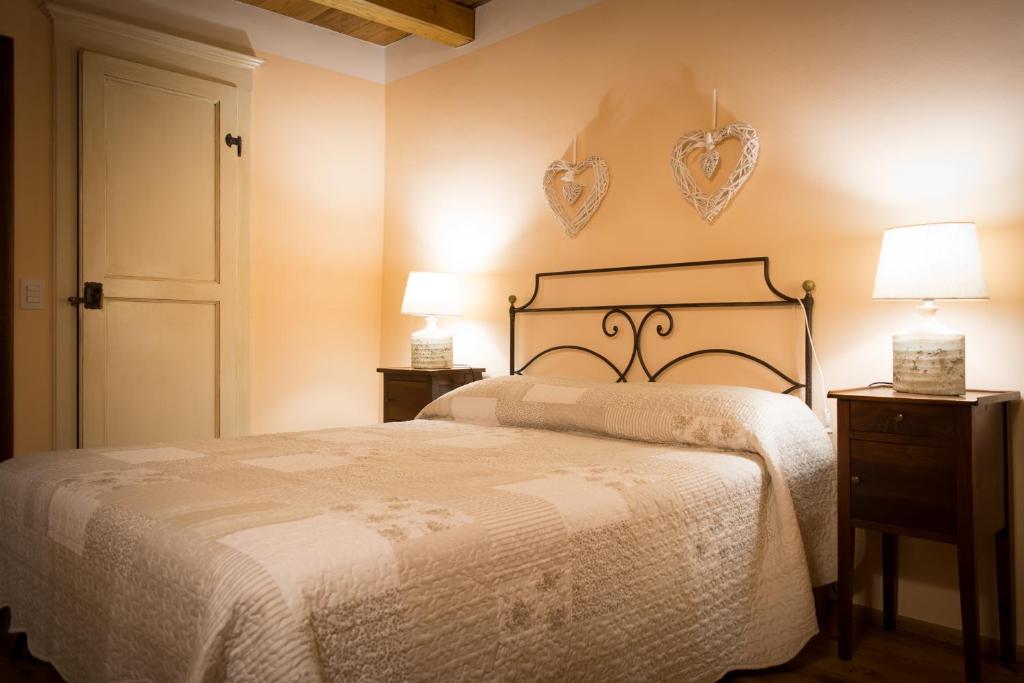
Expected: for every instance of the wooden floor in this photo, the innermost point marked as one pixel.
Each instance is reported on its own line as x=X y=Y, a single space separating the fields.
x=879 y=657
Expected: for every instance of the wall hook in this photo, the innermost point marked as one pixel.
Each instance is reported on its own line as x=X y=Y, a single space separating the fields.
x=234 y=141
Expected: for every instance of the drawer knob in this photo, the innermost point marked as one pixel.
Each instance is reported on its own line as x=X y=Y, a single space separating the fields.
x=899 y=417
x=855 y=480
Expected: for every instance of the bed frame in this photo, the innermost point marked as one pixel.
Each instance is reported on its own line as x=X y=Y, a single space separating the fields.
x=666 y=325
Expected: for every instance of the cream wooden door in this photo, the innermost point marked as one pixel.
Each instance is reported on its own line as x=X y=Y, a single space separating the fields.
x=159 y=230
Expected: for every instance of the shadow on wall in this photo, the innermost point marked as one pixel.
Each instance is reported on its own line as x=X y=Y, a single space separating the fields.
x=620 y=114
x=641 y=167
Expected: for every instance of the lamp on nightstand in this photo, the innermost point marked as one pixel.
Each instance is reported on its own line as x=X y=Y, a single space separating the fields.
x=431 y=295
x=930 y=262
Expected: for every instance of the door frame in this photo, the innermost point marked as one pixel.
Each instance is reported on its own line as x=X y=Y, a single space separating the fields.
x=74 y=31
x=7 y=289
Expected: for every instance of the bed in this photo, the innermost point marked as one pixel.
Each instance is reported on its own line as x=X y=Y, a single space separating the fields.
x=524 y=528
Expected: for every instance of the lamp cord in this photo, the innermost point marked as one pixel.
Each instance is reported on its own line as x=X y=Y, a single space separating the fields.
x=827 y=414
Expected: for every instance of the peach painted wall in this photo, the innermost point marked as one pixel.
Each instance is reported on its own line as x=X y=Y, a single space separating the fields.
x=33 y=329
x=317 y=217
x=870 y=114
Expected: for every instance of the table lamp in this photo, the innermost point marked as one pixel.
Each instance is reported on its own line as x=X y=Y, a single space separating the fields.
x=930 y=262
x=432 y=295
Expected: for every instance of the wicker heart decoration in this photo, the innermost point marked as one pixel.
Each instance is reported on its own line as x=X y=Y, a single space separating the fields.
x=710 y=206
x=565 y=171
x=709 y=163
x=571 y=190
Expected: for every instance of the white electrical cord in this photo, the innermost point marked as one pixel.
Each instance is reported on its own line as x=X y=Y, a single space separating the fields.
x=827 y=414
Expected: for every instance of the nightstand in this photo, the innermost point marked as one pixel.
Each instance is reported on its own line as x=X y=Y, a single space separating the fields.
x=934 y=467
x=408 y=390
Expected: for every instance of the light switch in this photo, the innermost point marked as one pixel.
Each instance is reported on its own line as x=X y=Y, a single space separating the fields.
x=31 y=293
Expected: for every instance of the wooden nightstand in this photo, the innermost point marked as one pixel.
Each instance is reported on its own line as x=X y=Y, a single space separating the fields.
x=408 y=390
x=935 y=467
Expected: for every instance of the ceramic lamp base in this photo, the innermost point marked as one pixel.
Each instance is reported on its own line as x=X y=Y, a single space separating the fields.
x=431 y=347
x=928 y=364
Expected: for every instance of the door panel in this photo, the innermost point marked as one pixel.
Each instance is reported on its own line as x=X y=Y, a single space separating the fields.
x=160 y=360
x=171 y=349
x=150 y=136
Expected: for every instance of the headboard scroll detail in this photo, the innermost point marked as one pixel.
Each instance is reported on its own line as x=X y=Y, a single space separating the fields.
x=617 y=317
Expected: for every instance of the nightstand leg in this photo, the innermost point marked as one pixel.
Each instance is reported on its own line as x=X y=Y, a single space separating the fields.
x=1007 y=599
x=890 y=580
x=969 y=607
x=1005 y=554
x=845 y=615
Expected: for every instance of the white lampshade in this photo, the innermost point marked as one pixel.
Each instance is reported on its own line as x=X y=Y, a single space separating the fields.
x=933 y=261
x=432 y=294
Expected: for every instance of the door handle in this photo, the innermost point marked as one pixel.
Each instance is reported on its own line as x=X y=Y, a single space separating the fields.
x=92 y=296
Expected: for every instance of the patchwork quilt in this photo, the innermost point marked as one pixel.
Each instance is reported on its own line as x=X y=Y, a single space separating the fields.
x=529 y=529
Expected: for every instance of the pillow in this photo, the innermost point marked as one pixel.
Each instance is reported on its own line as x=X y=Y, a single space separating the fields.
x=711 y=416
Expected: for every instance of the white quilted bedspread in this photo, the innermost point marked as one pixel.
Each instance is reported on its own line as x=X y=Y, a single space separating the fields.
x=531 y=530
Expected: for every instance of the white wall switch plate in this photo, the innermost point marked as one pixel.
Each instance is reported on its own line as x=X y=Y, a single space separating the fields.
x=31 y=293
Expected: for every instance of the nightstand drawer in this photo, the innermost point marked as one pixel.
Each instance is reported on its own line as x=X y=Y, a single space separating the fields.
x=404 y=399
x=904 y=485
x=903 y=418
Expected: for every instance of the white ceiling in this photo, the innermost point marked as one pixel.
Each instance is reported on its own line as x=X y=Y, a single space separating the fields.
x=495 y=21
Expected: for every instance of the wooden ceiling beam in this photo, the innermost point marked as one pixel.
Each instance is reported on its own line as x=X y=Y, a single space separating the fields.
x=445 y=21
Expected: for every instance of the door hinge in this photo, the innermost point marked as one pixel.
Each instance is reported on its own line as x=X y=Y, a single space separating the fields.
x=234 y=141
x=92 y=296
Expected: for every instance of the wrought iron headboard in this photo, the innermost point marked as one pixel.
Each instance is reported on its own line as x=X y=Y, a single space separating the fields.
x=665 y=309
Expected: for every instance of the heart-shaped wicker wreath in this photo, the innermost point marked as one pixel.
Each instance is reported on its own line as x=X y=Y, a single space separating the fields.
x=709 y=206
x=574 y=222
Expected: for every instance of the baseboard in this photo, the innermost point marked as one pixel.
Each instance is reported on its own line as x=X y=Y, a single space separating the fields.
x=925 y=629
